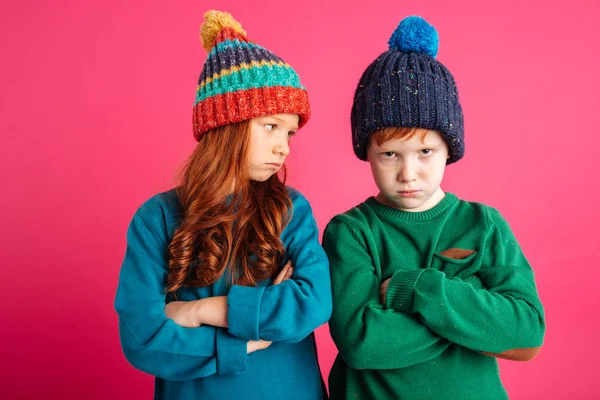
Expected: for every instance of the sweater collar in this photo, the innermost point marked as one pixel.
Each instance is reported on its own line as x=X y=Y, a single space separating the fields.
x=448 y=200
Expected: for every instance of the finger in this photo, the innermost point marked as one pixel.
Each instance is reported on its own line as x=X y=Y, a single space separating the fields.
x=285 y=269
x=289 y=273
x=281 y=275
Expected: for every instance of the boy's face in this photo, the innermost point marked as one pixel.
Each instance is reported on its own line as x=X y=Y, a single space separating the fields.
x=408 y=172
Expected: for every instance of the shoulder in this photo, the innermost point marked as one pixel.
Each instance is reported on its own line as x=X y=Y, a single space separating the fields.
x=356 y=216
x=354 y=221
x=301 y=222
x=491 y=216
x=160 y=213
x=161 y=204
x=301 y=212
x=298 y=199
x=477 y=209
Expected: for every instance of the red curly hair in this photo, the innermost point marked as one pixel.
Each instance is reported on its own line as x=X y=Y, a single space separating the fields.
x=227 y=218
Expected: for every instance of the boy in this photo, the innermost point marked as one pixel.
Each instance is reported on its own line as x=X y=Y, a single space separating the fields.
x=428 y=290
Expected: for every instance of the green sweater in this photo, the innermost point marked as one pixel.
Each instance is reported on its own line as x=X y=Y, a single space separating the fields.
x=460 y=286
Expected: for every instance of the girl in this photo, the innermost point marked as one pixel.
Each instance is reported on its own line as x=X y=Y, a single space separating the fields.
x=224 y=279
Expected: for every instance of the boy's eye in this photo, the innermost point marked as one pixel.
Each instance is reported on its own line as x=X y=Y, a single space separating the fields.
x=426 y=152
x=270 y=127
x=388 y=154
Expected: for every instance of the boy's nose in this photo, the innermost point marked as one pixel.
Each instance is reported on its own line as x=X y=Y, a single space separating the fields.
x=407 y=173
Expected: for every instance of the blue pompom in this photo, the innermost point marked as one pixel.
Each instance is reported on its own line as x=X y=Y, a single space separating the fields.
x=415 y=35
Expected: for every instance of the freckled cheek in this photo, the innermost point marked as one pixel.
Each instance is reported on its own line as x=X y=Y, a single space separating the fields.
x=378 y=173
x=388 y=176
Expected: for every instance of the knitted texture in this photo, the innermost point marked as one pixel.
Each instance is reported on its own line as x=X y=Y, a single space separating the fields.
x=241 y=80
x=406 y=87
x=460 y=285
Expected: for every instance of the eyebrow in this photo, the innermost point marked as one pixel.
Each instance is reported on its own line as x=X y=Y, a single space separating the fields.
x=281 y=120
x=384 y=149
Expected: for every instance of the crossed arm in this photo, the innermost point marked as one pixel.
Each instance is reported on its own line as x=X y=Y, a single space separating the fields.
x=497 y=312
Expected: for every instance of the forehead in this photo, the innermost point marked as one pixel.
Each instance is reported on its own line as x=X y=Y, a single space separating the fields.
x=422 y=138
x=289 y=119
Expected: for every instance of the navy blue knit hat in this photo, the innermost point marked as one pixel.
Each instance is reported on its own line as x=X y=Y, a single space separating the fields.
x=407 y=87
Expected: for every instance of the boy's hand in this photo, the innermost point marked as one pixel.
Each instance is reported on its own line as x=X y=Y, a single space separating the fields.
x=383 y=291
x=285 y=273
x=183 y=313
x=255 y=345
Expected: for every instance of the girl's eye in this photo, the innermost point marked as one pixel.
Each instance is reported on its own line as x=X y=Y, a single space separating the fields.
x=426 y=152
x=290 y=134
x=388 y=154
x=270 y=127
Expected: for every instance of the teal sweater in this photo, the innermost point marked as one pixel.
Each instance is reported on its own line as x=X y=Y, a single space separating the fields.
x=209 y=362
x=460 y=286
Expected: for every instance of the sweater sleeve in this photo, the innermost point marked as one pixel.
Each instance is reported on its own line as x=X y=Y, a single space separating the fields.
x=151 y=342
x=366 y=334
x=290 y=311
x=504 y=319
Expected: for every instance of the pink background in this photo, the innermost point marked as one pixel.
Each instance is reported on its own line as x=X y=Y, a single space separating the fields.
x=95 y=117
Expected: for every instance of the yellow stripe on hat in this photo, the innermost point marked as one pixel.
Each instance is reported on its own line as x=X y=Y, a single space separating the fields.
x=237 y=68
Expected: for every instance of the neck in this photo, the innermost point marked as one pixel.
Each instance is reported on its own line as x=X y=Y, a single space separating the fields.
x=433 y=201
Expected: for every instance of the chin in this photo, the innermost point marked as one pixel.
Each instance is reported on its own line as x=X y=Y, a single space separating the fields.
x=407 y=205
x=261 y=178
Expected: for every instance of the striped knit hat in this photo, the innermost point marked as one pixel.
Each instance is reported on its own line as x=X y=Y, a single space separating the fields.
x=242 y=80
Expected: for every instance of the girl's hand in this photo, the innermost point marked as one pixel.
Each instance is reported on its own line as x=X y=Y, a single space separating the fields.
x=285 y=273
x=214 y=310
x=254 y=345
x=183 y=313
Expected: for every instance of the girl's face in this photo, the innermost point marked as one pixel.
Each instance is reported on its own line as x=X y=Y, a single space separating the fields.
x=408 y=172
x=270 y=144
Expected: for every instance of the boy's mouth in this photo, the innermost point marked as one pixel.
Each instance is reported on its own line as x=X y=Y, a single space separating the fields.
x=408 y=193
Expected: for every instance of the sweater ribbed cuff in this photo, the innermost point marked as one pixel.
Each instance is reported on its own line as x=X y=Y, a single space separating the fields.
x=232 y=353
x=400 y=290
x=475 y=281
x=243 y=303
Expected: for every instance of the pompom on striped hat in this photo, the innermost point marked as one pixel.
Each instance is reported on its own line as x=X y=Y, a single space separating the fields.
x=241 y=80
